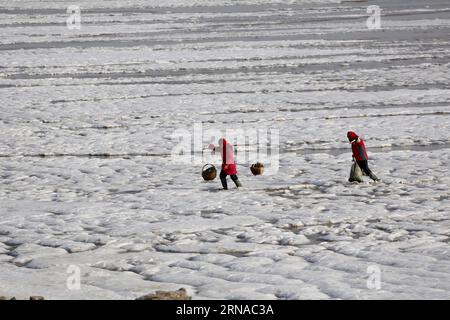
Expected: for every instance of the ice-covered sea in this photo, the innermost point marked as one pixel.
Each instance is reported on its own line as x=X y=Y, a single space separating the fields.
x=88 y=184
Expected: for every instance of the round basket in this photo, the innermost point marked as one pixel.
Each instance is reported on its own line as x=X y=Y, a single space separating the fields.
x=209 y=173
x=257 y=169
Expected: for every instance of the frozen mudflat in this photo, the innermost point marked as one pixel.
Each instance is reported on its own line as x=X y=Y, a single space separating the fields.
x=87 y=177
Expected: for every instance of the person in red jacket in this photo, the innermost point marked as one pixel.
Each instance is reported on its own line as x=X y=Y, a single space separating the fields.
x=360 y=154
x=228 y=163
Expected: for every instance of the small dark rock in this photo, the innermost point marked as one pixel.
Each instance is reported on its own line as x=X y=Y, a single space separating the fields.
x=180 y=294
x=37 y=298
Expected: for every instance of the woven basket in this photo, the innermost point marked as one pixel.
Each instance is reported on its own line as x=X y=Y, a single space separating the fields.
x=257 y=169
x=209 y=173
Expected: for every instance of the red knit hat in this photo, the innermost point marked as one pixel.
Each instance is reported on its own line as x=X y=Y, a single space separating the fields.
x=352 y=136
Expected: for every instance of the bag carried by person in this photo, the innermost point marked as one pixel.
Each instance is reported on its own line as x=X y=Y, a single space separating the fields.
x=356 y=174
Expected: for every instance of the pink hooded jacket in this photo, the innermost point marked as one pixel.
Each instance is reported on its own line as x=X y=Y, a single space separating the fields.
x=228 y=162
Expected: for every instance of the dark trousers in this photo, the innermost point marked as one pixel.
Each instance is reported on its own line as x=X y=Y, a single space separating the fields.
x=223 y=178
x=364 y=165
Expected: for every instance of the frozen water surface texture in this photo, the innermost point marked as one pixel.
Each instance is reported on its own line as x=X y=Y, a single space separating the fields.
x=93 y=206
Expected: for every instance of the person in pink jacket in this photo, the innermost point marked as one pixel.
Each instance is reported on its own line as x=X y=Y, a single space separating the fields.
x=360 y=154
x=228 y=162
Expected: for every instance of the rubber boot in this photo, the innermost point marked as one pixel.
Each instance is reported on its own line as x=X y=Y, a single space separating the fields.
x=374 y=177
x=236 y=181
x=223 y=179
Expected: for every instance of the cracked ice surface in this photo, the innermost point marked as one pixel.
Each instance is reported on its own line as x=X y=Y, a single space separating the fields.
x=135 y=221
